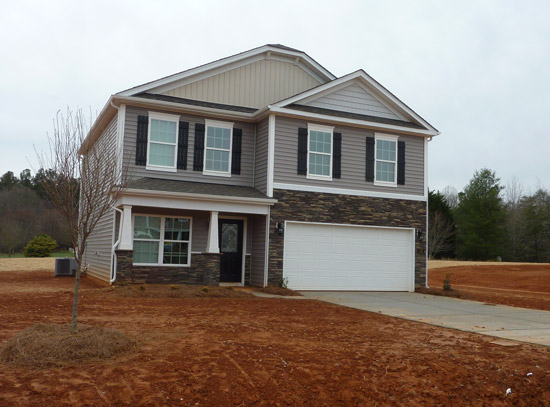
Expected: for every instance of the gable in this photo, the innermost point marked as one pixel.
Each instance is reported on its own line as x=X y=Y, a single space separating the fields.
x=254 y=85
x=353 y=98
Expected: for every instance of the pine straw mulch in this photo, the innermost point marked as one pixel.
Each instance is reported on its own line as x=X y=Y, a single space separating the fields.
x=176 y=291
x=275 y=290
x=54 y=345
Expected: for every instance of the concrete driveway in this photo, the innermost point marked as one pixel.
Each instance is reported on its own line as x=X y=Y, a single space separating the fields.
x=518 y=324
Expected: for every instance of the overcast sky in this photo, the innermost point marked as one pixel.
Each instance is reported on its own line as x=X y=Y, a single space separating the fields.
x=479 y=71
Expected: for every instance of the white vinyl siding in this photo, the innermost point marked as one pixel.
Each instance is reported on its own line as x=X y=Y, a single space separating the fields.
x=348 y=257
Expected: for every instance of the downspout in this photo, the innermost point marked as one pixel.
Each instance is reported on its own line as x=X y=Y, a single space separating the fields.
x=427 y=213
x=113 y=252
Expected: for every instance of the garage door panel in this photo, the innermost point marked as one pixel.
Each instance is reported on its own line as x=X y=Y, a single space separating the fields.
x=340 y=257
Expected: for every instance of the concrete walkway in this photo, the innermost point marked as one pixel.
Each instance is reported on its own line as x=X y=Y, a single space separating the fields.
x=518 y=324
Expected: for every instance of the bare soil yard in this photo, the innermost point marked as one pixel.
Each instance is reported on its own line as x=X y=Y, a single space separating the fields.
x=248 y=351
x=514 y=284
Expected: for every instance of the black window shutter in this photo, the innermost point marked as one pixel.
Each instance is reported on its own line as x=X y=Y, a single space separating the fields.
x=236 y=152
x=369 y=169
x=337 y=155
x=302 y=151
x=182 y=145
x=141 y=142
x=401 y=163
x=199 y=147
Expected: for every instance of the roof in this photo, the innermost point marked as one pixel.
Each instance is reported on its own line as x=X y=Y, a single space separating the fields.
x=196 y=188
x=357 y=116
x=193 y=102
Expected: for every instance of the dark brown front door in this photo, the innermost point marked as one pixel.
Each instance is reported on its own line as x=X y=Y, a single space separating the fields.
x=231 y=247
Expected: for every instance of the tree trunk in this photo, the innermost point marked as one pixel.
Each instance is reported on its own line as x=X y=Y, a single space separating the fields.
x=75 y=299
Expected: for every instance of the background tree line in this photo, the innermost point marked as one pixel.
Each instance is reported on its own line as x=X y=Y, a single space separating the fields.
x=487 y=221
x=25 y=211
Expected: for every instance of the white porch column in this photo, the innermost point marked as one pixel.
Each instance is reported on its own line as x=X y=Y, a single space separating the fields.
x=126 y=235
x=212 y=245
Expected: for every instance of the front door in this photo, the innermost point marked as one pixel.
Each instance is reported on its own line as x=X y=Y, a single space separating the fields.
x=231 y=247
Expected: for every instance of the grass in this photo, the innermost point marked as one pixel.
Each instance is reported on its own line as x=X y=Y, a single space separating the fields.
x=62 y=253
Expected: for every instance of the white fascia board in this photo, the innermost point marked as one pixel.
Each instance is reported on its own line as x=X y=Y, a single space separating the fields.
x=200 y=197
x=320 y=90
x=173 y=202
x=179 y=107
x=221 y=63
x=353 y=122
x=352 y=192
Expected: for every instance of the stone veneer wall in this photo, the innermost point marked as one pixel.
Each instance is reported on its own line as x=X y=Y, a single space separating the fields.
x=204 y=269
x=345 y=209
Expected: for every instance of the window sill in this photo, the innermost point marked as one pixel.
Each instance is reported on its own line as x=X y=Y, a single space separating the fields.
x=160 y=265
x=385 y=184
x=217 y=174
x=163 y=169
x=319 y=177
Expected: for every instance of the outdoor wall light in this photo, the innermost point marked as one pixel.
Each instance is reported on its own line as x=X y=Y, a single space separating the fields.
x=419 y=235
x=280 y=227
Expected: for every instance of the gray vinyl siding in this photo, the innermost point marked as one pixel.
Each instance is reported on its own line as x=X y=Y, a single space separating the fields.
x=260 y=175
x=257 y=261
x=353 y=99
x=353 y=159
x=138 y=171
x=97 y=255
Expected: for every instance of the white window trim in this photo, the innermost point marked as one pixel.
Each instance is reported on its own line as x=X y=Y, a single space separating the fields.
x=223 y=125
x=161 y=240
x=385 y=137
x=325 y=129
x=168 y=118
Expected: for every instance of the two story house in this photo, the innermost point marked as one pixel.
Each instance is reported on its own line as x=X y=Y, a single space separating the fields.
x=263 y=168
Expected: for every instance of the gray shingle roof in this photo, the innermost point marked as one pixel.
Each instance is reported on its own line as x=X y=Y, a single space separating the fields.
x=154 y=184
x=193 y=102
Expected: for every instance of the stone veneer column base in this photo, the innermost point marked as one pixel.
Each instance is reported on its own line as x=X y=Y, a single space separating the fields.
x=344 y=209
x=204 y=269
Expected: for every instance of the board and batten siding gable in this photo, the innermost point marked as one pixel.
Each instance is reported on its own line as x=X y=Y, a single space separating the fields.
x=353 y=159
x=260 y=173
x=138 y=171
x=353 y=99
x=97 y=254
x=255 y=85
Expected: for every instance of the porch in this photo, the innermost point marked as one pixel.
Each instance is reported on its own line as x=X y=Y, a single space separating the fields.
x=182 y=237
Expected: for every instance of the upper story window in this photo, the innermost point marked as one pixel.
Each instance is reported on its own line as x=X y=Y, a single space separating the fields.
x=320 y=148
x=217 y=151
x=386 y=160
x=162 y=141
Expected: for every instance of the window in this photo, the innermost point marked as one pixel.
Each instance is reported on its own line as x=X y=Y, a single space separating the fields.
x=162 y=240
x=319 y=157
x=217 y=151
x=163 y=141
x=386 y=160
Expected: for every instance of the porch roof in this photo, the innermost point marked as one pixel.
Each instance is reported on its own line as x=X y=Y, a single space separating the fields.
x=199 y=188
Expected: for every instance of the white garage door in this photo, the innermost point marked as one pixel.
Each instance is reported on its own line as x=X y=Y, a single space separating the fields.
x=344 y=257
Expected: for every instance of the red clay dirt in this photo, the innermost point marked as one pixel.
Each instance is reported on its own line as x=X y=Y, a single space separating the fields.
x=261 y=352
x=518 y=285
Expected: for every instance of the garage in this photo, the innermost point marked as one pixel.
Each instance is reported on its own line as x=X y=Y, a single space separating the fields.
x=320 y=256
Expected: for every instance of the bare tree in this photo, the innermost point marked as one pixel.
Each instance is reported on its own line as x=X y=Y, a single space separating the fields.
x=440 y=233
x=84 y=183
x=451 y=196
x=515 y=229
